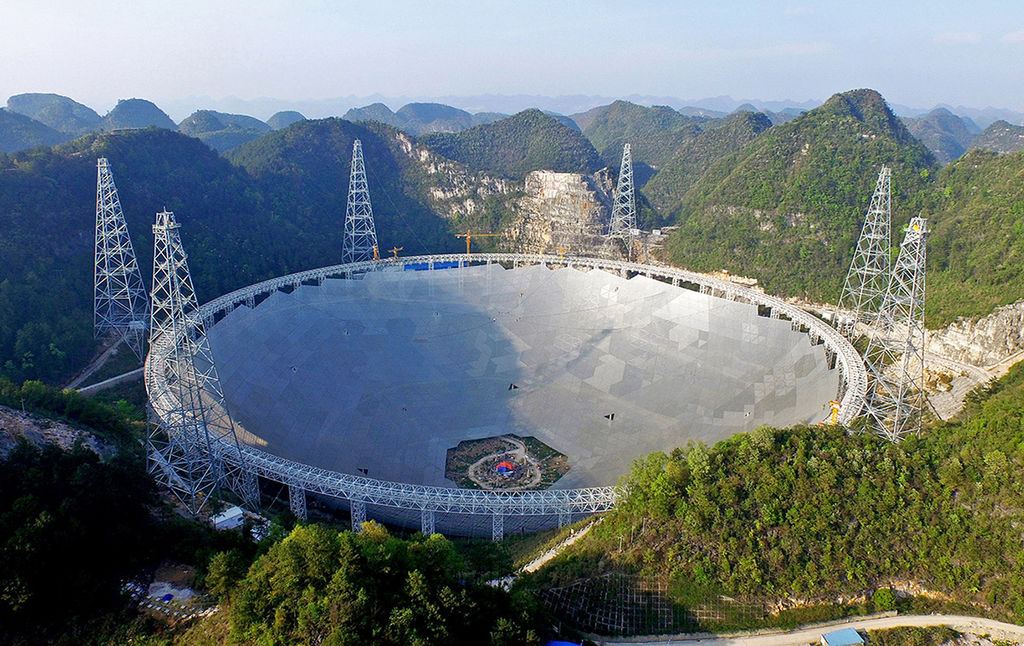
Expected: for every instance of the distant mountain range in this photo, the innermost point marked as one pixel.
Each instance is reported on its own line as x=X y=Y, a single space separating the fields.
x=779 y=200
x=947 y=134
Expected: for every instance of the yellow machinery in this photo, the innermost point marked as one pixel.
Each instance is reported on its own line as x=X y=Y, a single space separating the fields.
x=469 y=234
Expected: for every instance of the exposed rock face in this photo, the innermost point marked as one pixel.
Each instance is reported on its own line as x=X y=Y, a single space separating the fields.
x=454 y=190
x=565 y=213
x=984 y=342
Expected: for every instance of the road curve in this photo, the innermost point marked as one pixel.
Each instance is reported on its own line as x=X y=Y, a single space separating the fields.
x=807 y=635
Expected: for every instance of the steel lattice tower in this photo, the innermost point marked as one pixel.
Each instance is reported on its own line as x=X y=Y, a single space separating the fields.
x=895 y=354
x=868 y=277
x=196 y=451
x=360 y=234
x=120 y=303
x=624 y=210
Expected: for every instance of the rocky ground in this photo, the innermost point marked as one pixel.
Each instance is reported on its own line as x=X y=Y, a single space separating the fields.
x=15 y=424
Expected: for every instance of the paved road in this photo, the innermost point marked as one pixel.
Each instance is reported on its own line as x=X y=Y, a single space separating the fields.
x=976 y=625
x=113 y=381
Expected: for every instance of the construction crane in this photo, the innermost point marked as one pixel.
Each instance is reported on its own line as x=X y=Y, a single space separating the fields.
x=469 y=234
x=395 y=250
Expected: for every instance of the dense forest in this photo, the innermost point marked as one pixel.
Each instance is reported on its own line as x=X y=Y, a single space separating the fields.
x=514 y=146
x=976 y=248
x=654 y=134
x=784 y=208
x=278 y=209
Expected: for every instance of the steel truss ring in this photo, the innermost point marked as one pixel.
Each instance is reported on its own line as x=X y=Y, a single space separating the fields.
x=316 y=480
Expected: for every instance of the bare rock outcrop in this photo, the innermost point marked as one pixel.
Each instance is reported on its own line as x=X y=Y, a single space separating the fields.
x=985 y=341
x=565 y=213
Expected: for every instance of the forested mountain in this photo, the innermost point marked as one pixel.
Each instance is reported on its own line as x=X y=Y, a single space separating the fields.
x=135 y=113
x=58 y=112
x=654 y=134
x=691 y=159
x=284 y=119
x=976 y=248
x=422 y=118
x=787 y=207
x=944 y=133
x=302 y=171
x=18 y=132
x=1000 y=137
x=48 y=219
x=512 y=147
x=238 y=228
x=222 y=131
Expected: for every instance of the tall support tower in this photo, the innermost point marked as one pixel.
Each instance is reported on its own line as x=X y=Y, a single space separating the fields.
x=895 y=354
x=360 y=234
x=120 y=303
x=624 y=210
x=868 y=277
x=196 y=452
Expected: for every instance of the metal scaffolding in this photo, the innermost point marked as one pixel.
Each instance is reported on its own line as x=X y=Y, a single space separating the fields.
x=895 y=354
x=193 y=447
x=623 y=222
x=868 y=277
x=360 y=242
x=120 y=303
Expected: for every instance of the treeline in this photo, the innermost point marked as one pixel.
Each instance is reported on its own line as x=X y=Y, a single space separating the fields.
x=812 y=512
x=321 y=586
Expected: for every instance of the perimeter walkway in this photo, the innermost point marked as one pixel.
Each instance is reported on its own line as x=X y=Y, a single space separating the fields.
x=807 y=635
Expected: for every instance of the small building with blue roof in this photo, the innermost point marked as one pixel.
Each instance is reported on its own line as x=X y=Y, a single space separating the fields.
x=844 y=637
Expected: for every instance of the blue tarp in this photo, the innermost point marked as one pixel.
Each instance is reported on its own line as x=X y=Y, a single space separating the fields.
x=423 y=266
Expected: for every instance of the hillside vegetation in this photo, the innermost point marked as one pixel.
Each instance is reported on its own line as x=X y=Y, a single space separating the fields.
x=222 y=131
x=280 y=209
x=58 y=112
x=814 y=512
x=654 y=134
x=693 y=158
x=976 y=248
x=787 y=207
x=135 y=113
x=512 y=147
x=944 y=133
x=1000 y=137
x=18 y=132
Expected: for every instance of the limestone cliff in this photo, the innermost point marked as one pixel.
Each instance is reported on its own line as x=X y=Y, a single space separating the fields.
x=453 y=191
x=985 y=341
x=564 y=213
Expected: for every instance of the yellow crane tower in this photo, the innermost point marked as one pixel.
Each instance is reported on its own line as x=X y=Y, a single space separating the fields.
x=395 y=250
x=469 y=234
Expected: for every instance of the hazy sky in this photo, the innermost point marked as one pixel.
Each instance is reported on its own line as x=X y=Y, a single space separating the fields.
x=914 y=53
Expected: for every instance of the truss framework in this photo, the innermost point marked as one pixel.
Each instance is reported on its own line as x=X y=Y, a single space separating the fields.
x=360 y=241
x=895 y=354
x=560 y=504
x=866 y=283
x=120 y=303
x=193 y=447
x=623 y=222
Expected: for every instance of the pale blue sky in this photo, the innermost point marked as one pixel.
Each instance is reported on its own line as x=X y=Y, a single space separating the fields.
x=914 y=53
